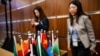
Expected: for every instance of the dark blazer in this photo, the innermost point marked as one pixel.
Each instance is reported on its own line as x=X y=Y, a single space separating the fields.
x=85 y=31
x=43 y=24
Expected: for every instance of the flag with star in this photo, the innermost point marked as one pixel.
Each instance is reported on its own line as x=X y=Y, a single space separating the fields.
x=44 y=41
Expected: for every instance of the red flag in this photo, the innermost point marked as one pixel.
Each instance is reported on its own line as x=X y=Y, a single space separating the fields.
x=25 y=47
x=44 y=41
x=19 y=49
x=34 y=41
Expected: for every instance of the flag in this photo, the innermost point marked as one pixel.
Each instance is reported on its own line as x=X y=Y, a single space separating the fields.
x=39 y=47
x=34 y=47
x=44 y=40
x=15 y=53
x=15 y=42
x=31 y=47
x=56 y=47
x=43 y=51
x=49 y=50
x=19 y=50
x=33 y=41
x=24 y=46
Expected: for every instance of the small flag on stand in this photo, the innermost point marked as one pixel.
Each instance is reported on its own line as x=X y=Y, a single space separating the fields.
x=44 y=45
x=39 y=44
x=55 y=44
x=15 y=43
x=44 y=40
x=40 y=48
x=30 y=43
x=56 y=47
x=24 y=45
x=49 y=50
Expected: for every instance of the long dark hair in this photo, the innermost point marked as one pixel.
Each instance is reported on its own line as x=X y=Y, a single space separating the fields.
x=41 y=12
x=78 y=13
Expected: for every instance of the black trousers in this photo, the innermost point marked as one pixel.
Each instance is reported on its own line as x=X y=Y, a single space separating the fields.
x=80 y=50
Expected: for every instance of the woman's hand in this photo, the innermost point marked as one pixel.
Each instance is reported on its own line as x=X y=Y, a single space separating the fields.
x=69 y=48
x=93 y=51
x=34 y=23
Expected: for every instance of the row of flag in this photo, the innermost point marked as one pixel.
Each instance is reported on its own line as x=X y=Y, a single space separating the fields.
x=42 y=44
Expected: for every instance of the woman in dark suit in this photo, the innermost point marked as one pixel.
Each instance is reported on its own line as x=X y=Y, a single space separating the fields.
x=81 y=38
x=40 y=21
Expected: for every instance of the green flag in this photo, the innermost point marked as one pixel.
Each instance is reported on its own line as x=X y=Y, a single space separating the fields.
x=14 y=49
x=15 y=53
x=56 y=47
x=43 y=51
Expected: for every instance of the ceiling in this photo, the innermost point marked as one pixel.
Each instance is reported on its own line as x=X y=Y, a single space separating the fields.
x=16 y=4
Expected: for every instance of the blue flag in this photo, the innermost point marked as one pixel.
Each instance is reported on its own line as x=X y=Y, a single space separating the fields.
x=49 y=50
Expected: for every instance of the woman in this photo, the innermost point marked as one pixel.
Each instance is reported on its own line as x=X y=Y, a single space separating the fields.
x=80 y=35
x=40 y=21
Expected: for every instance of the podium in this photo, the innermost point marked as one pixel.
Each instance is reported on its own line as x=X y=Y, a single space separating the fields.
x=4 y=52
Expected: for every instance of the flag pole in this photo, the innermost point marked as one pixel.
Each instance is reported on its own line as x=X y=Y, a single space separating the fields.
x=21 y=44
x=52 y=35
x=57 y=33
x=30 y=43
x=39 y=42
x=58 y=40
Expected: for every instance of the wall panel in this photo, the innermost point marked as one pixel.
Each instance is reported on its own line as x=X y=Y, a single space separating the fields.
x=51 y=8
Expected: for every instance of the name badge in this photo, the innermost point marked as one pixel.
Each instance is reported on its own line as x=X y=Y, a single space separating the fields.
x=75 y=41
x=75 y=38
